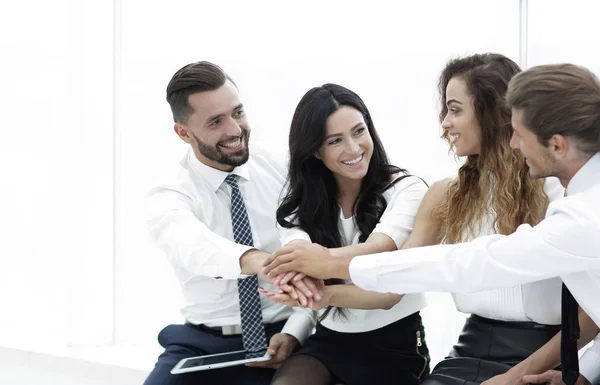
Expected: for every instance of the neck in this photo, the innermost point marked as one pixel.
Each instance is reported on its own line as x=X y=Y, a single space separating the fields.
x=571 y=167
x=348 y=192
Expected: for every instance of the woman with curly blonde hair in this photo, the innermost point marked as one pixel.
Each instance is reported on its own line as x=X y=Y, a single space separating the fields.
x=492 y=194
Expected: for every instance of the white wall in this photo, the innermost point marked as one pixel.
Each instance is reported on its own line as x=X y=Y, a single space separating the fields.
x=86 y=127
x=389 y=54
x=561 y=32
x=56 y=153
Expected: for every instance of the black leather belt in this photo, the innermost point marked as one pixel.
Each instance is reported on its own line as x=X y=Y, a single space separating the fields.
x=235 y=330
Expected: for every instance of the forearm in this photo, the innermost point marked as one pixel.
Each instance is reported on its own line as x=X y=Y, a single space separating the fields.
x=352 y=297
x=548 y=356
x=300 y=324
x=191 y=246
x=377 y=243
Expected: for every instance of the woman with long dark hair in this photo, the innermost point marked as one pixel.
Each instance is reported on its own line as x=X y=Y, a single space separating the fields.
x=343 y=197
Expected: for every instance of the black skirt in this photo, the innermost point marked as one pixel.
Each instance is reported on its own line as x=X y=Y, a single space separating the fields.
x=487 y=348
x=394 y=354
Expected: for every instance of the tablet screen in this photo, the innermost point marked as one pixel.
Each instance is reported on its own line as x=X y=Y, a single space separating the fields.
x=221 y=358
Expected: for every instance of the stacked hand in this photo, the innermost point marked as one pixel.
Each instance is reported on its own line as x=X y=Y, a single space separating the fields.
x=290 y=293
x=310 y=259
x=296 y=288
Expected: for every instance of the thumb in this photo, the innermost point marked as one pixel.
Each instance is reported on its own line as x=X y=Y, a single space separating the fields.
x=274 y=346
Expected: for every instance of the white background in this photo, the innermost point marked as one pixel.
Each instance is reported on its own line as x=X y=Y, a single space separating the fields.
x=85 y=128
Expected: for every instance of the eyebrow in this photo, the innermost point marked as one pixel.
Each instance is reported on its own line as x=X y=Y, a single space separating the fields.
x=211 y=118
x=340 y=134
x=452 y=101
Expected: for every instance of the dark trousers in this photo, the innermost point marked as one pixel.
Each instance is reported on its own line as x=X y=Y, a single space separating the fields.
x=182 y=341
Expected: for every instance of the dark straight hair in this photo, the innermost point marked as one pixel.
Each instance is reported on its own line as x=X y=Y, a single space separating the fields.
x=311 y=192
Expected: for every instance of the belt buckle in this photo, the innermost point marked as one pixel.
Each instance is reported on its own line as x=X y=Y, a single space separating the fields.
x=229 y=330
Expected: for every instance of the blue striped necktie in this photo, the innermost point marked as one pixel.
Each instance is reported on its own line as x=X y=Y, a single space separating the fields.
x=253 y=329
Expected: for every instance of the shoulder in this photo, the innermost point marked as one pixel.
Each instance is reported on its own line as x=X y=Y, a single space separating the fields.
x=400 y=182
x=267 y=161
x=553 y=188
x=177 y=177
x=438 y=189
x=435 y=195
x=404 y=188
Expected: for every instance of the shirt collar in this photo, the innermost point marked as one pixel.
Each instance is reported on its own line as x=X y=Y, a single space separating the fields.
x=586 y=176
x=213 y=177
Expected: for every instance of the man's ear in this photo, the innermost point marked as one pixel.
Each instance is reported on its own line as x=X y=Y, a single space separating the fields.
x=558 y=145
x=183 y=132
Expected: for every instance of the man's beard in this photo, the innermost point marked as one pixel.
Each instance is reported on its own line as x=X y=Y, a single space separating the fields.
x=216 y=154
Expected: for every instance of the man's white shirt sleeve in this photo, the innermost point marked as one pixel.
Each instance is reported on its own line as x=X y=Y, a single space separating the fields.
x=559 y=245
x=589 y=363
x=188 y=242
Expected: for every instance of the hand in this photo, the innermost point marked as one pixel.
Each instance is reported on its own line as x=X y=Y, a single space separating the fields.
x=284 y=296
x=284 y=278
x=551 y=377
x=308 y=258
x=505 y=379
x=303 y=288
x=281 y=346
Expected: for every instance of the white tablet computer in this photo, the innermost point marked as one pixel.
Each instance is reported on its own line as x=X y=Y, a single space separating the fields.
x=222 y=360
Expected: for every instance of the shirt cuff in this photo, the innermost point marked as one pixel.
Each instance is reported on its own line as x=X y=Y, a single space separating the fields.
x=300 y=324
x=363 y=272
x=232 y=269
x=588 y=363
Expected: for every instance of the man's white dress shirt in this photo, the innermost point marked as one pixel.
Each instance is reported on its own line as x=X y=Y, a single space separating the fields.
x=532 y=302
x=566 y=244
x=190 y=220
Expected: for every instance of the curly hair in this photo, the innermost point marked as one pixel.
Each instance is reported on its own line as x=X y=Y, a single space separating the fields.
x=496 y=181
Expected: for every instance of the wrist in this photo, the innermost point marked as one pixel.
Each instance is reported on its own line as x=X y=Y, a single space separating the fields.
x=294 y=342
x=517 y=372
x=251 y=262
x=339 y=268
x=582 y=381
x=329 y=294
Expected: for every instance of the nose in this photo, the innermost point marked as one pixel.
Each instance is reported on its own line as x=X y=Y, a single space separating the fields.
x=232 y=128
x=446 y=124
x=353 y=146
x=514 y=142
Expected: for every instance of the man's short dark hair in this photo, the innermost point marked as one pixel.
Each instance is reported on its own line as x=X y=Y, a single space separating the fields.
x=192 y=78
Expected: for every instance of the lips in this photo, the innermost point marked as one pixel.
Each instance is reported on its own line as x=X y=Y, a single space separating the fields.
x=354 y=161
x=232 y=144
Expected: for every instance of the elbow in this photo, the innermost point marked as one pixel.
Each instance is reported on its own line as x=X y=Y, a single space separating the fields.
x=391 y=301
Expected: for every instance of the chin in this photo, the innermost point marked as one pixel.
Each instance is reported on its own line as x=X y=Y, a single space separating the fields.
x=355 y=176
x=536 y=174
